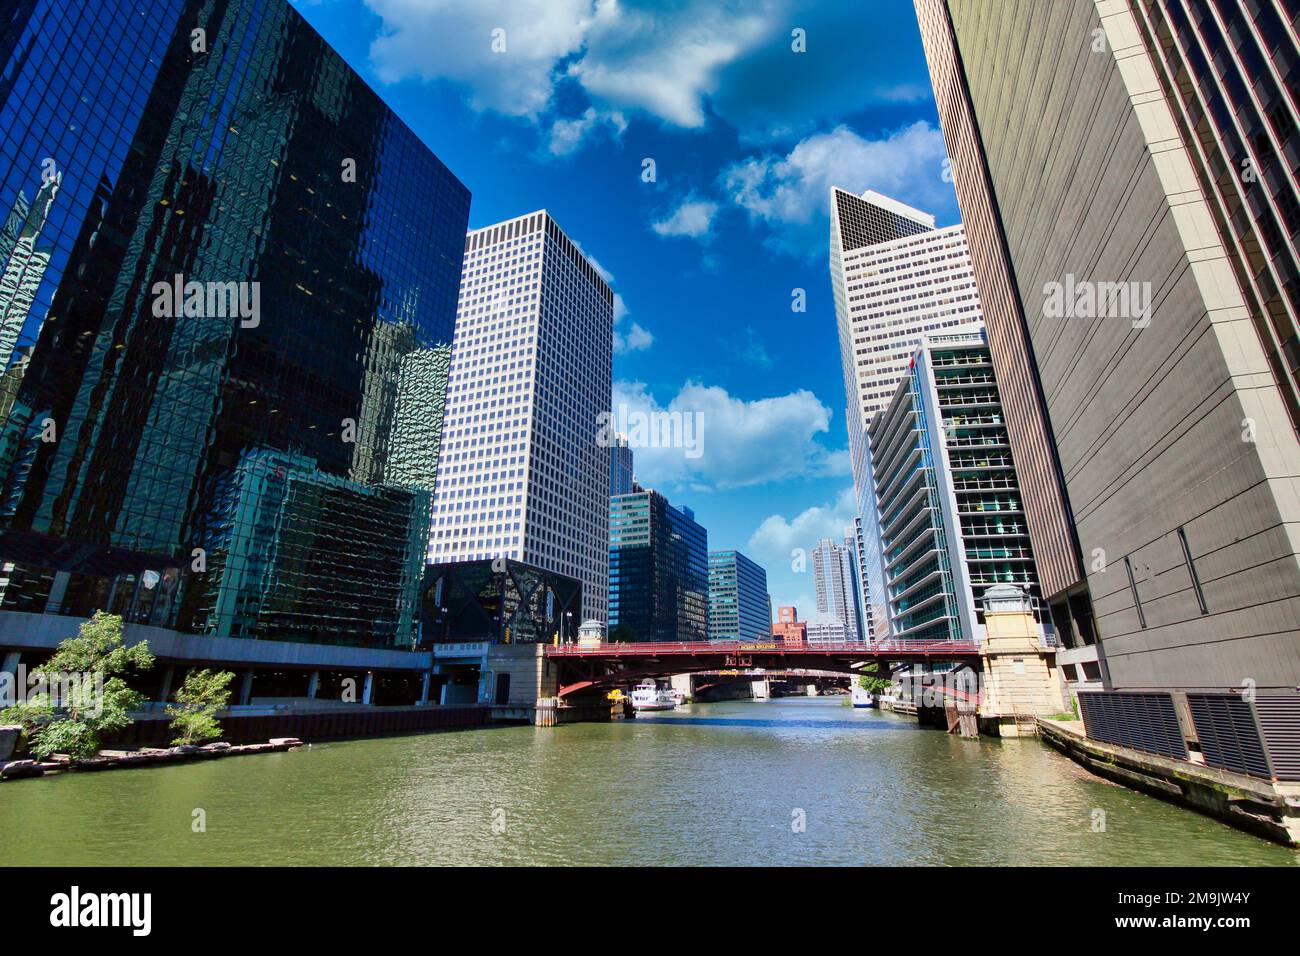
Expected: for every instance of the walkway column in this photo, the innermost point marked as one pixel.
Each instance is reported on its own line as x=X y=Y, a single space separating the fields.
x=165 y=691
x=313 y=684
x=246 y=688
x=58 y=589
x=9 y=689
x=369 y=688
x=424 y=688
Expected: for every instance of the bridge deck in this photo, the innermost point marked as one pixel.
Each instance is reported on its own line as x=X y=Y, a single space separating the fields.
x=885 y=650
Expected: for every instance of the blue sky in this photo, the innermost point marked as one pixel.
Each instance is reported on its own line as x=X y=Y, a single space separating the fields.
x=747 y=135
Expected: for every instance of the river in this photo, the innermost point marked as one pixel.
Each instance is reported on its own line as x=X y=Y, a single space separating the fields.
x=796 y=781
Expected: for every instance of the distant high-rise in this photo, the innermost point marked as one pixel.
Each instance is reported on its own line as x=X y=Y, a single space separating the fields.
x=739 y=608
x=622 y=480
x=835 y=581
x=659 y=570
x=1153 y=415
x=788 y=628
x=895 y=278
x=523 y=475
x=952 y=519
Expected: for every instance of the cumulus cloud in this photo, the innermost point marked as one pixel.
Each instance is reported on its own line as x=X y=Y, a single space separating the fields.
x=778 y=536
x=510 y=72
x=628 y=336
x=738 y=443
x=567 y=135
x=692 y=219
x=680 y=63
x=666 y=62
x=790 y=193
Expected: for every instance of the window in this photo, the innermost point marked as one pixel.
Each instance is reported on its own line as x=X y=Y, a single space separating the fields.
x=1137 y=601
x=1191 y=570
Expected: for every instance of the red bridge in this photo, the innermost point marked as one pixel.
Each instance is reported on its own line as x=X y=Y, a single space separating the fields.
x=581 y=666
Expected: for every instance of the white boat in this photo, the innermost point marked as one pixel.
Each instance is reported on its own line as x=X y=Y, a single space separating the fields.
x=648 y=696
x=863 y=697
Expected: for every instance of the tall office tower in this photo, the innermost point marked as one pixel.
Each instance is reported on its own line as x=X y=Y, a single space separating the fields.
x=531 y=375
x=895 y=278
x=248 y=250
x=858 y=536
x=622 y=479
x=834 y=579
x=951 y=516
x=658 y=570
x=739 y=607
x=1152 y=416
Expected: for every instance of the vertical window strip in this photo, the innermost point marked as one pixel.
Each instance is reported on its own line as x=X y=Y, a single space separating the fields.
x=1191 y=569
x=1137 y=601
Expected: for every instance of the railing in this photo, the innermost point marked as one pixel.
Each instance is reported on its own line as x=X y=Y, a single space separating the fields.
x=866 y=648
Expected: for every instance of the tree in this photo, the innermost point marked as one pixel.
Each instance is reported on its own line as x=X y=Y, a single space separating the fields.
x=194 y=715
x=868 y=680
x=83 y=695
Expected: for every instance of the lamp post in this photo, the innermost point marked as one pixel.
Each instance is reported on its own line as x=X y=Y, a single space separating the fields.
x=568 y=627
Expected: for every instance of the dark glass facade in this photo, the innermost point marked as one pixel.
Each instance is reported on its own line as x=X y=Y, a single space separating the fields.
x=658 y=571
x=253 y=456
x=739 y=609
x=499 y=601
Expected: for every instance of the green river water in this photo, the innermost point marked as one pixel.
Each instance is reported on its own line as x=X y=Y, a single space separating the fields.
x=796 y=781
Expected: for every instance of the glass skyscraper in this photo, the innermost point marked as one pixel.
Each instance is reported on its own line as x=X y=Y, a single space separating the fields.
x=230 y=281
x=658 y=571
x=952 y=517
x=739 y=608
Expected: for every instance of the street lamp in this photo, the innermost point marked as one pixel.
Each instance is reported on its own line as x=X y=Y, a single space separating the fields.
x=568 y=627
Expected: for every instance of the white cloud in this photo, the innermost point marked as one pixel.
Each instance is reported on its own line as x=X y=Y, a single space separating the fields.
x=740 y=442
x=426 y=39
x=628 y=337
x=778 y=536
x=692 y=219
x=567 y=135
x=664 y=63
x=633 y=338
x=790 y=193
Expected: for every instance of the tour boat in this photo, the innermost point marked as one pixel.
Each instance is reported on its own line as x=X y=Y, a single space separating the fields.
x=863 y=697
x=647 y=696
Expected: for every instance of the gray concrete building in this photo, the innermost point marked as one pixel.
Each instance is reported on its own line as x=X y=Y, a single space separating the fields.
x=1127 y=174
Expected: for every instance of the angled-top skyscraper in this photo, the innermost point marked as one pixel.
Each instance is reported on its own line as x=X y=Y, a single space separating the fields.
x=523 y=476
x=895 y=278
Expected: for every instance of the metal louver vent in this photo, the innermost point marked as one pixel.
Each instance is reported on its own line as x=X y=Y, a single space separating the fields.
x=1279 y=719
x=1143 y=720
x=1229 y=737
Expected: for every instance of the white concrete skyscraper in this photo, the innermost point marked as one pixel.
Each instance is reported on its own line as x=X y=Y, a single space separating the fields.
x=521 y=474
x=836 y=580
x=895 y=278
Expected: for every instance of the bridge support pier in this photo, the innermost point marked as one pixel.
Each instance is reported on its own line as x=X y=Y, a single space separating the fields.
x=1020 y=674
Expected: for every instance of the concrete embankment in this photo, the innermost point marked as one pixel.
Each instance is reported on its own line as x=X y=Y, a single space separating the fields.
x=145 y=757
x=1263 y=807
